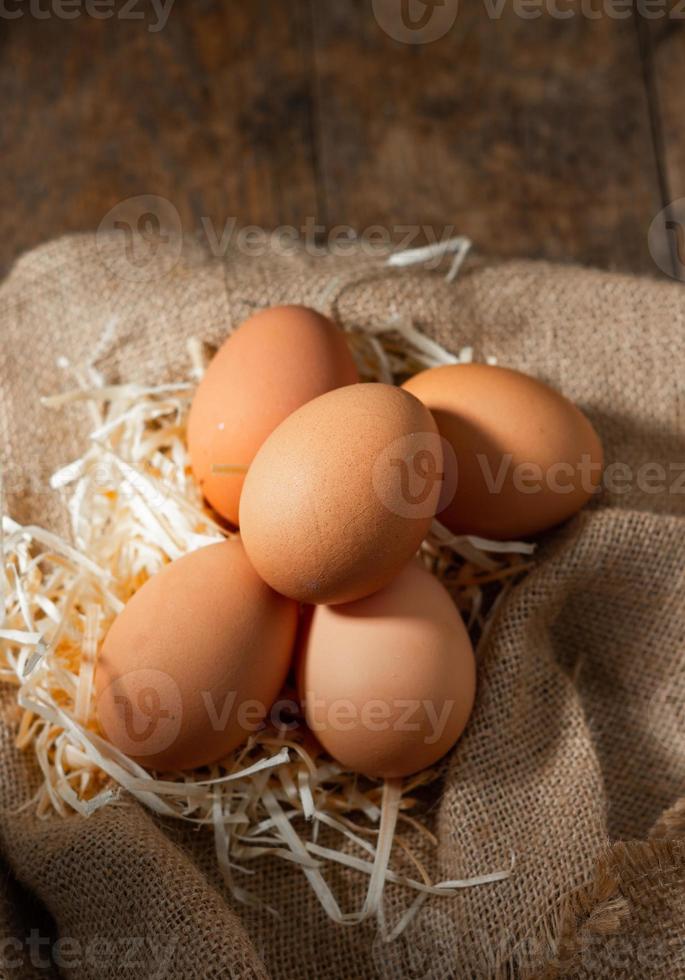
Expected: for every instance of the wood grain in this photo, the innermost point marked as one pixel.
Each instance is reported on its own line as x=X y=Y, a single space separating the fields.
x=663 y=50
x=531 y=136
x=213 y=113
x=668 y=63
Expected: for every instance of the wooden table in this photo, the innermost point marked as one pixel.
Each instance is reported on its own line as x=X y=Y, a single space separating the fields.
x=545 y=137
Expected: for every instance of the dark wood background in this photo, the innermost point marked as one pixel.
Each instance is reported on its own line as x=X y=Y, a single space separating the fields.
x=542 y=138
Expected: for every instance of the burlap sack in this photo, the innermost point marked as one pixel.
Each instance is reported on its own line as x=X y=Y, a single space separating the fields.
x=574 y=760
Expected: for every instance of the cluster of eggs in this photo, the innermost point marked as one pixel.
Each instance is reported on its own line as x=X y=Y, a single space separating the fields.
x=333 y=485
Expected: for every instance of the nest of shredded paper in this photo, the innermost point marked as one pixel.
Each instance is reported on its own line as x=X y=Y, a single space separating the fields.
x=134 y=507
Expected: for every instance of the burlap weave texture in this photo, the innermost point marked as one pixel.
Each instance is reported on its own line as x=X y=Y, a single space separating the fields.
x=574 y=760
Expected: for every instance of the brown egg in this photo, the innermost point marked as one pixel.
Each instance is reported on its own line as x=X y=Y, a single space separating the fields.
x=275 y=362
x=388 y=682
x=195 y=660
x=527 y=458
x=335 y=502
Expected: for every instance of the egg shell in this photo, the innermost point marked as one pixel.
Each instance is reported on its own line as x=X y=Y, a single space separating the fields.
x=323 y=513
x=275 y=362
x=187 y=664
x=388 y=682
x=527 y=458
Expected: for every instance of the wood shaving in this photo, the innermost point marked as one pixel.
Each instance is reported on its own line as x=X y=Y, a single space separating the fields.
x=134 y=507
